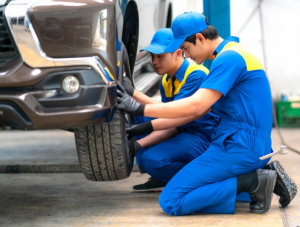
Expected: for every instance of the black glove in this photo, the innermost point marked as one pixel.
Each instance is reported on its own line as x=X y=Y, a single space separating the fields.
x=137 y=147
x=128 y=86
x=128 y=104
x=141 y=129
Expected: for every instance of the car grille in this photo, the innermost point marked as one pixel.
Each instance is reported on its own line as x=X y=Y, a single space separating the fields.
x=7 y=49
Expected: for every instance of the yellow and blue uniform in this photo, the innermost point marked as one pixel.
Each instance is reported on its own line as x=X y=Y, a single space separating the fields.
x=164 y=160
x=208 y=183
x=184 y=84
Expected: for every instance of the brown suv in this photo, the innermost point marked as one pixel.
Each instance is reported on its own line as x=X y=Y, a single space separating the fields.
x=59 y=63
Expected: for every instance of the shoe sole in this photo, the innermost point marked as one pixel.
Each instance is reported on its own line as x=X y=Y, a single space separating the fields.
x=148 y=190
x=268 y=192
x=284 y=182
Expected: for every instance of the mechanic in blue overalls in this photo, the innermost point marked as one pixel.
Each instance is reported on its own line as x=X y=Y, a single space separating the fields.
x=168 y=155
x=238 y=90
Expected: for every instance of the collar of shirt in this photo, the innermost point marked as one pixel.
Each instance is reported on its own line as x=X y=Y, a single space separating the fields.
x=225 y=41
x=181 y=71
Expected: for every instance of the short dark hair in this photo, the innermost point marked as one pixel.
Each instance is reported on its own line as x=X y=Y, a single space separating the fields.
x=210 y=33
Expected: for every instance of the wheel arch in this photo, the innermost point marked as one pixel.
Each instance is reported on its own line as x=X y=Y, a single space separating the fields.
x=130 y=33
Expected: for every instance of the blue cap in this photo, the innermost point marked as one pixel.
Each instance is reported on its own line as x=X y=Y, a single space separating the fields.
x=160 y=41
x=185 y=25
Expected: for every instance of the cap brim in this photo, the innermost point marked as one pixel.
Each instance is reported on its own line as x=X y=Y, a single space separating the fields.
x=174 y=45
x=154 y=48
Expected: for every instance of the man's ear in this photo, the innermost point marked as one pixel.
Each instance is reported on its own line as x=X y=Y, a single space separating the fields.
x=200 y=37
x=178 y=53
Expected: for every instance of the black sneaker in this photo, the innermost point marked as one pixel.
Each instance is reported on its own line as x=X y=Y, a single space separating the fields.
x=285 y=187
x=152 y=185
x=262 y=196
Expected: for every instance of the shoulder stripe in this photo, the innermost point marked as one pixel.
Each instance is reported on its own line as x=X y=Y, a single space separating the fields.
x=167 y=85
x=252 y=62
x=192 y=67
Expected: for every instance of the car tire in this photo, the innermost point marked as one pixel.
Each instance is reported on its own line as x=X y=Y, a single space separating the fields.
x=104 y=152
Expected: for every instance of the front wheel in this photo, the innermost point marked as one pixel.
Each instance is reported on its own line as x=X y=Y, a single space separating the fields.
x=103 y=150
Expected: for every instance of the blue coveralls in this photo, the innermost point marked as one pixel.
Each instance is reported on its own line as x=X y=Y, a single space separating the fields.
x=165 y=159
x=208 y=183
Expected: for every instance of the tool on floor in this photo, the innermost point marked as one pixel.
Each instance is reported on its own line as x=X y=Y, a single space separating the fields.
x=282 y=150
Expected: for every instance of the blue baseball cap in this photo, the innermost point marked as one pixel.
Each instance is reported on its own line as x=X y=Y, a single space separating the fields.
x=185 y=25
x=161 y=39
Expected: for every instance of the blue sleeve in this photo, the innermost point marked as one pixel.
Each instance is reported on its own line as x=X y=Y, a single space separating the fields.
x=162 y=93
x=192 y=84
x=225 y=72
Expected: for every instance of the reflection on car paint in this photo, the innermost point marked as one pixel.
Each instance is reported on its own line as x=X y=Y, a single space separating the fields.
x=109 y=76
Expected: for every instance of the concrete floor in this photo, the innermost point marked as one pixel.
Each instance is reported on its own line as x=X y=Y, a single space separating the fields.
x=68 y=199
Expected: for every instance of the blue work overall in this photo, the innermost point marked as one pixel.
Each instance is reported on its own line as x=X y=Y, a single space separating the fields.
x=208 y=183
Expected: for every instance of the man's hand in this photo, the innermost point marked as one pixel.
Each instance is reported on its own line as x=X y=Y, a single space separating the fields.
x=127 y=103
x=137 y=147
x=130 y=131
x=141 y=129
x=128 y=86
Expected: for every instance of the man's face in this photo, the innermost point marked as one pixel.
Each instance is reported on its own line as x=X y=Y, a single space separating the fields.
x=163 y=63
x=197 y=52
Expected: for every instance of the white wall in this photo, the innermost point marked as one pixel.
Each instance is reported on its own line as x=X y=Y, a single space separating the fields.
x=281 y=31
x=181 y=6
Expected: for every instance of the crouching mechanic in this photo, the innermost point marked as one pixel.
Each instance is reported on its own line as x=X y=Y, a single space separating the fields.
x=238 y=90
x=174 y=147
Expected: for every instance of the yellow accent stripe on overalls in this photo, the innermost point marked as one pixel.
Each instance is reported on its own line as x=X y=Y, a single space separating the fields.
x=110 y=75
x=252 y=62
x=167 y=85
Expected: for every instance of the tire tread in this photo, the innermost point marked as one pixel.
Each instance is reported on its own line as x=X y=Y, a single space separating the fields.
x=102 y=151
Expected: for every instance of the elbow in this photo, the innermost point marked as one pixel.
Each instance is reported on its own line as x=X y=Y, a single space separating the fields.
x=197 y=110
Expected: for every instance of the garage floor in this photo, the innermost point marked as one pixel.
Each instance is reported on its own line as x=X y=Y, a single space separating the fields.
x=68 y=199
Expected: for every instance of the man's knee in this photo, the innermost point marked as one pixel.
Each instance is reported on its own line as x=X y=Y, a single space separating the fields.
x=169 y=205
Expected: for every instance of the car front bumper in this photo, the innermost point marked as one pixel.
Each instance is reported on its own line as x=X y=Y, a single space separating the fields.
x=39 y=110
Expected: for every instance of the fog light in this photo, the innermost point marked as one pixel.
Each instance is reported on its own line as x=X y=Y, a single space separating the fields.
x=70 y=84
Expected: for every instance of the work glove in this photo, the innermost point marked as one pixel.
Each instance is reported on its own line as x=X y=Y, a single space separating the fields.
x=128 y=86
x=141 y=129
x=137 y=147
x=128 y=104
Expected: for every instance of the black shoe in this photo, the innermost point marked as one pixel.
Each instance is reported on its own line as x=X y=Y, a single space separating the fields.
x=262 y=196
x=285 y=187
x=152 y=185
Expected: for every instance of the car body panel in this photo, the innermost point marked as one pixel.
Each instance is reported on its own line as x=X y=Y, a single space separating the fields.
x=51 y=39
